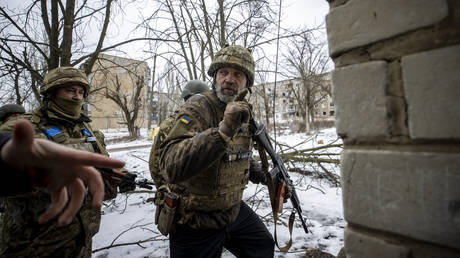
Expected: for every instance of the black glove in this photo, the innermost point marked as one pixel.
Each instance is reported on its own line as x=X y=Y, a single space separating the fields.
x=128 y=183
x=287 y=193
x=256 y=175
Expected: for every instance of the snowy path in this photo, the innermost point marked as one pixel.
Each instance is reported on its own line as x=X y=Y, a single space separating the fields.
x=129 y=219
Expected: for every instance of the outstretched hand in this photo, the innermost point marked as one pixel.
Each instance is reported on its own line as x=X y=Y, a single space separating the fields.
x=58 y=170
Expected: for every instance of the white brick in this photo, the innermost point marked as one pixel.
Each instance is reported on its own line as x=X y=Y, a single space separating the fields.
x=432 y=84
x=359 y=94
x=361 y=22
x=360 y=245
x=411 y=194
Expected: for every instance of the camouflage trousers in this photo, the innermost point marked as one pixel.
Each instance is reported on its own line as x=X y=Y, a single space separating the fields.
x=26 y=238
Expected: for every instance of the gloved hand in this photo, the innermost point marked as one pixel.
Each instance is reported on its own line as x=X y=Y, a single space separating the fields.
x=128 y=183
x=236 y=113
x=287 y=193
x=256 y=175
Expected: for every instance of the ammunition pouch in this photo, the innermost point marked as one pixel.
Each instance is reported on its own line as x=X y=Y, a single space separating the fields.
x=165 y=213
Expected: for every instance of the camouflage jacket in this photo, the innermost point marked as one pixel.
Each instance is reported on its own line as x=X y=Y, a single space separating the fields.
x=154 y=166
x=207 y=173
x=22 y=235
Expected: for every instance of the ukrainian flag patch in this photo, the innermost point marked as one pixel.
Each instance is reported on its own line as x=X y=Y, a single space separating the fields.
x=185 y=120
x=86 y=132
x=52 y=132
x=160 y=138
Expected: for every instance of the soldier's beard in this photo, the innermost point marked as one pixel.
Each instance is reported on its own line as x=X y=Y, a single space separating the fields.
x=223 y=96
x=66 y=107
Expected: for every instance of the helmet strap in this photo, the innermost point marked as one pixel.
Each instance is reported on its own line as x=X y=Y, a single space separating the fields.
x=247 y=85
x=213 y=85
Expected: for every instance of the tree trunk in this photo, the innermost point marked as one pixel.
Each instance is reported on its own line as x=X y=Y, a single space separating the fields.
x=69 y=18
x=94 y=56
x=307 y=124
x=150 y=100
x=54 y=36
x=222 y=23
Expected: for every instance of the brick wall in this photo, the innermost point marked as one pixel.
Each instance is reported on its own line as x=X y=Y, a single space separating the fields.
x=396 y=86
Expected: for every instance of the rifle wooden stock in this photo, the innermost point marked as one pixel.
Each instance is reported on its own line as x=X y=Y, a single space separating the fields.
x=280 y=197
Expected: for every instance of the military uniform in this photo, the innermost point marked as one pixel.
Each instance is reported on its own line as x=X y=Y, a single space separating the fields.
x=158 y=136
x=23 y=236
x=209 y=172
x=209 y=176
x=9 y=110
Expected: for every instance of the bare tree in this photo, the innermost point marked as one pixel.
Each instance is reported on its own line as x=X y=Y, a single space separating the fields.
x=43 y=35
x=130 y=105
x=123 y=81
x=200 y=30
x=306 y=60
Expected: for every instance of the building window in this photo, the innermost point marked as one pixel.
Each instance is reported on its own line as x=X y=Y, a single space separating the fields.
x=331 y=104
x=324 y=113
x=331 y=113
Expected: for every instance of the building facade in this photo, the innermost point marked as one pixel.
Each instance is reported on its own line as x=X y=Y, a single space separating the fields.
x=291 y=100
x=118 y=85
x=396 y=87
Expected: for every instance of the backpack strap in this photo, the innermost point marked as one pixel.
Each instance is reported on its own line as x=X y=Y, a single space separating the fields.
x=91 y=138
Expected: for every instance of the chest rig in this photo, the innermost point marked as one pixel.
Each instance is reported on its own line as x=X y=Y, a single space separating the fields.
x=78 y=136
x=220 y=186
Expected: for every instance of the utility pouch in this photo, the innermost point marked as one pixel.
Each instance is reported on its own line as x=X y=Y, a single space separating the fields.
x=166 y=220
x=159 y=203
x=166 y=213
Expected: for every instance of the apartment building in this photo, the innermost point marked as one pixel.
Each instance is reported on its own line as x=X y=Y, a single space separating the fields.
x=291 y=98
x=117 y=79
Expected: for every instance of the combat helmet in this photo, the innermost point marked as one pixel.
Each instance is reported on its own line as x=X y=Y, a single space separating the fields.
x=62 y=76
x=193 y=87
x=10 y=109
x=234 y=56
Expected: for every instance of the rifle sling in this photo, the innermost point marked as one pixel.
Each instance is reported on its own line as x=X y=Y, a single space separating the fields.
x=272 y=193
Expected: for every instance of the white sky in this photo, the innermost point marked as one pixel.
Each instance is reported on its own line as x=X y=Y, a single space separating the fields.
x=295 y=13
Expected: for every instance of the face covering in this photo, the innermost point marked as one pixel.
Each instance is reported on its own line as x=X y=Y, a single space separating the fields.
x=69 y=108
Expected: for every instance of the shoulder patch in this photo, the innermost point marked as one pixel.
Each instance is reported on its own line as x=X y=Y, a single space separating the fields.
x=86 y=132
x=52 y=132
x=185 y=120
x=160 y=138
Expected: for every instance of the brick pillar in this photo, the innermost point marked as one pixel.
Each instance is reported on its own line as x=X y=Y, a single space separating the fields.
x=396 y=86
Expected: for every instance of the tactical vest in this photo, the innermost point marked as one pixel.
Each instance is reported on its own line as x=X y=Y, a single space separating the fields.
x=22 y=210
x=80 y=137
x=154 y=159
x=220 y=186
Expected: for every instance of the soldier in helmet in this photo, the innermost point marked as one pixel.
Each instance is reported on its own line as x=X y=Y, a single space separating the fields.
x=207 y=162
x=59 y=119
x=9 y=111
x=191 y=88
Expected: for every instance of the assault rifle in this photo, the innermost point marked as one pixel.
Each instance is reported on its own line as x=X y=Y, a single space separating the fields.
x=123 y=179
x=279 y=175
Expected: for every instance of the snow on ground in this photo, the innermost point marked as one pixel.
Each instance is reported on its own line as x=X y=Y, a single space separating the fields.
x=128 y=230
